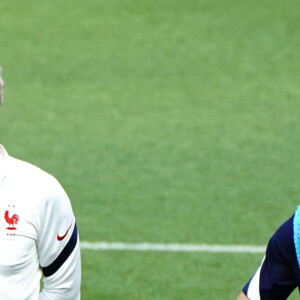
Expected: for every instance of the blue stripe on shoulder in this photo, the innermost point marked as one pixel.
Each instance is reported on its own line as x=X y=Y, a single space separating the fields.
x=63 y=256
x=297 y=233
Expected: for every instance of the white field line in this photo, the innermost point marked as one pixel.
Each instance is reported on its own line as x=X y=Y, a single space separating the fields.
x=106 y=246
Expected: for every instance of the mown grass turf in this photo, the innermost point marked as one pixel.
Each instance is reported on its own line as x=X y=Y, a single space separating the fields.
x=133 y=276
x=130 y=276
x=173 y=121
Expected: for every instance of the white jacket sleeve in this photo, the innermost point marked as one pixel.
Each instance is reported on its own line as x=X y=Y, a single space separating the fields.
x=58 y=247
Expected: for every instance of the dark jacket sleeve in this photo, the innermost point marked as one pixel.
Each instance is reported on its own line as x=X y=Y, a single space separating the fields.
x=279 y=272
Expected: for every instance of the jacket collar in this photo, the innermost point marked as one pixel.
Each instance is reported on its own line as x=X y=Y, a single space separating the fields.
x=3 y=160
x=3 y=153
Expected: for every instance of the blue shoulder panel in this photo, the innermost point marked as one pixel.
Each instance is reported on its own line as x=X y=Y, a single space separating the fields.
x=297 y=233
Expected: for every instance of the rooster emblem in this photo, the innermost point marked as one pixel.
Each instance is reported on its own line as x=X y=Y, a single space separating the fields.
x=11 y=221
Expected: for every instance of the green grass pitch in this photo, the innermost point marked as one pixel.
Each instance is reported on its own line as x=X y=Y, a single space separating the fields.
x=165 y=121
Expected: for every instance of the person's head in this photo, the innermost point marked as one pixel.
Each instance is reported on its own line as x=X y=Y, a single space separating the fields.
x=1 y=87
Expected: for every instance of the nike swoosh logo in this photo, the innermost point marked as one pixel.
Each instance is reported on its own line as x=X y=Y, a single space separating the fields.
x=60 y=238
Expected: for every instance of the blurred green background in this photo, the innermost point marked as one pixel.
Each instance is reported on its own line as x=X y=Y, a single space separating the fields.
x=165 y=122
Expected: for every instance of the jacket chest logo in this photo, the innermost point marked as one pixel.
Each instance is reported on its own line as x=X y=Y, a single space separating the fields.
x=11 y=219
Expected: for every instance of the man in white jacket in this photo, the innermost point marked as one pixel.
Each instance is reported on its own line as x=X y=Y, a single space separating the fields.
x=38 y=234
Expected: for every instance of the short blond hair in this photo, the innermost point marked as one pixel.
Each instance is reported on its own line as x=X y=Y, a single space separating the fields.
x=1 y=87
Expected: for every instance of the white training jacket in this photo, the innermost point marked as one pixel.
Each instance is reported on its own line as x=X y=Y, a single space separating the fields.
x=38 y=235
